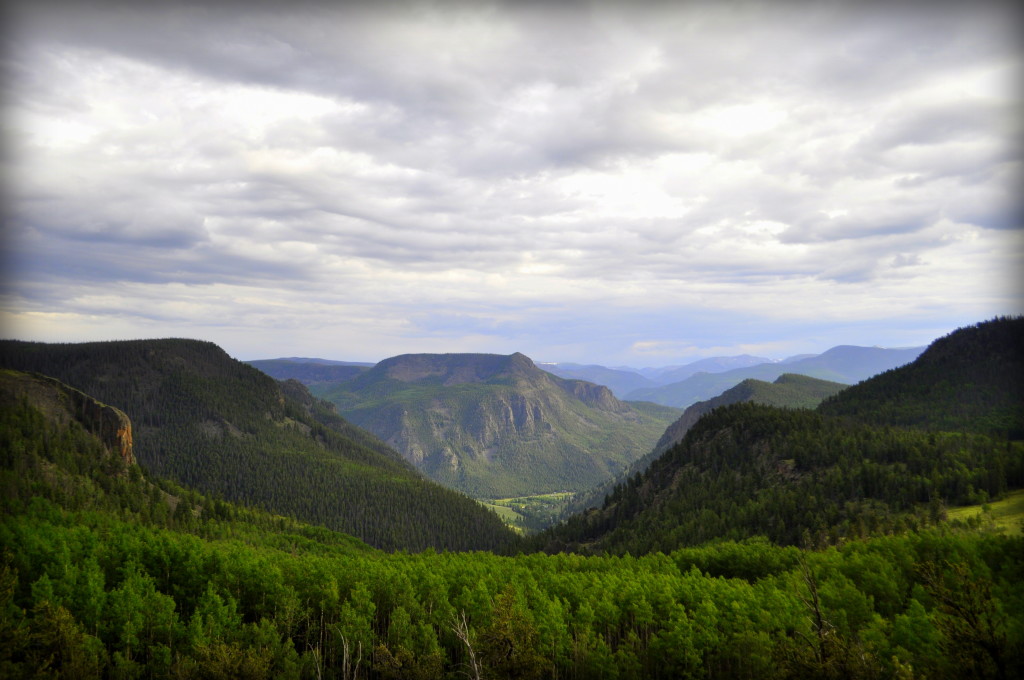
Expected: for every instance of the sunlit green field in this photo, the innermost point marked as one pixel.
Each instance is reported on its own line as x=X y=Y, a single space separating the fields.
x=528 y=513
x=1006 y=514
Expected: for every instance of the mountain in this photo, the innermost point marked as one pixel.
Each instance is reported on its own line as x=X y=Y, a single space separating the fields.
x=496 y=426
x=207 y=421
x=847 y=469
x=844 y=364
x=623 y=380
x=620 y=382
x=969 y=381
x=711 y=365
x=309 y=371
x=64 y=446
x=311 y=360
x=788 y=391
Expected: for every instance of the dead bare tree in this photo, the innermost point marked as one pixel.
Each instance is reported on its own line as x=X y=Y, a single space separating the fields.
x=460 y=626
x=350 y=669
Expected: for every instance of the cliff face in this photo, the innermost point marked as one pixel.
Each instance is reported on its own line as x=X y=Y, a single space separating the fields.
x=110 y=424
x=494 y=425
x=64 y=404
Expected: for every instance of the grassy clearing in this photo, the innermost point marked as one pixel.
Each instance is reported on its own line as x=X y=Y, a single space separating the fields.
x=1006 y=514
x=507 y=515
x=529 y=513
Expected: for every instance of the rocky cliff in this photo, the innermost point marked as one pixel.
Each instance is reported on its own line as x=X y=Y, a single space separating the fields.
x=496 y=425
x=65 y=404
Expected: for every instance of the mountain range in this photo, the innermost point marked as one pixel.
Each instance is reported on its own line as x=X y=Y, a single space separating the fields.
x=495 y=426
x=843 y=364
x=944 y=429
x=310 y=371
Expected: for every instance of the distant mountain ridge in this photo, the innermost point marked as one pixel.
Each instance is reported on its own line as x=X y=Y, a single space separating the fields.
x=843 y=364
x=620 y=382
x=309 y=371
x=789 y=390
x=497 y=425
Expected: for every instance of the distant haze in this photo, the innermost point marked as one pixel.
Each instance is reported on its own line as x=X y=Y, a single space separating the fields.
x=597 y=182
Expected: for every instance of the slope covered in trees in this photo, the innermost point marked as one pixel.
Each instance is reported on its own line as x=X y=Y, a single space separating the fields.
x=224 y=428
x=104 y=574
x=971 y=380
x=788 y=391
x=497 y=426
x=799 y=476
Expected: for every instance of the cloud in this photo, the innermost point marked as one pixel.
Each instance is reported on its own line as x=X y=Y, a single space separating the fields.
x=501 y=173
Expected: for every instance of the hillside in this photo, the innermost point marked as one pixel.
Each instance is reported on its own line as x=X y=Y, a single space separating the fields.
x=221 y=427
x=788 y=391
x=106 y=574
x=844 y=364
x=62 y=446
x=496 y=426
x=971 y=380
x=796 y=476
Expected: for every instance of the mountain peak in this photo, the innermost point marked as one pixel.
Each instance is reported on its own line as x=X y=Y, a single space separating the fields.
x=455 y=369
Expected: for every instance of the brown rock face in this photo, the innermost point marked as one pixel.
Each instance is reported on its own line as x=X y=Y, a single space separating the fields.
x=63 y=403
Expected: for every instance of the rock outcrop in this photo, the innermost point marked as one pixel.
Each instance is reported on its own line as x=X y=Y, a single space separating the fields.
x=495 y=425
x=64 y=404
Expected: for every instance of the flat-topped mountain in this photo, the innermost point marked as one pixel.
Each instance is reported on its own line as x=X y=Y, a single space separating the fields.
x=454 y=369
x=496 y=425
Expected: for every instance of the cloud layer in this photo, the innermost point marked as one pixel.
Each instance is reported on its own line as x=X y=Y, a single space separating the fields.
x=587 y=183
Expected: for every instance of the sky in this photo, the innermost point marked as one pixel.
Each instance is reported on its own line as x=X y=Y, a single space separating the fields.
x=612 y=183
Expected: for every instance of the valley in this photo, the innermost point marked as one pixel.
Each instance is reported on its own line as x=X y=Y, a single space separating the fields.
x=529 y=514
x=494 y=426
x=168 y=511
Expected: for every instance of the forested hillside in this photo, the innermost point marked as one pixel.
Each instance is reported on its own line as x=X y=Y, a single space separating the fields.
x=803 y=477
x=105 y=574
x=789 y=391
x=224 y=428
x=970 y=381
x=497 y=426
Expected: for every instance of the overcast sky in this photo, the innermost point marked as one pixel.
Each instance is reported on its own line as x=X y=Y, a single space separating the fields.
x=599 y=183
